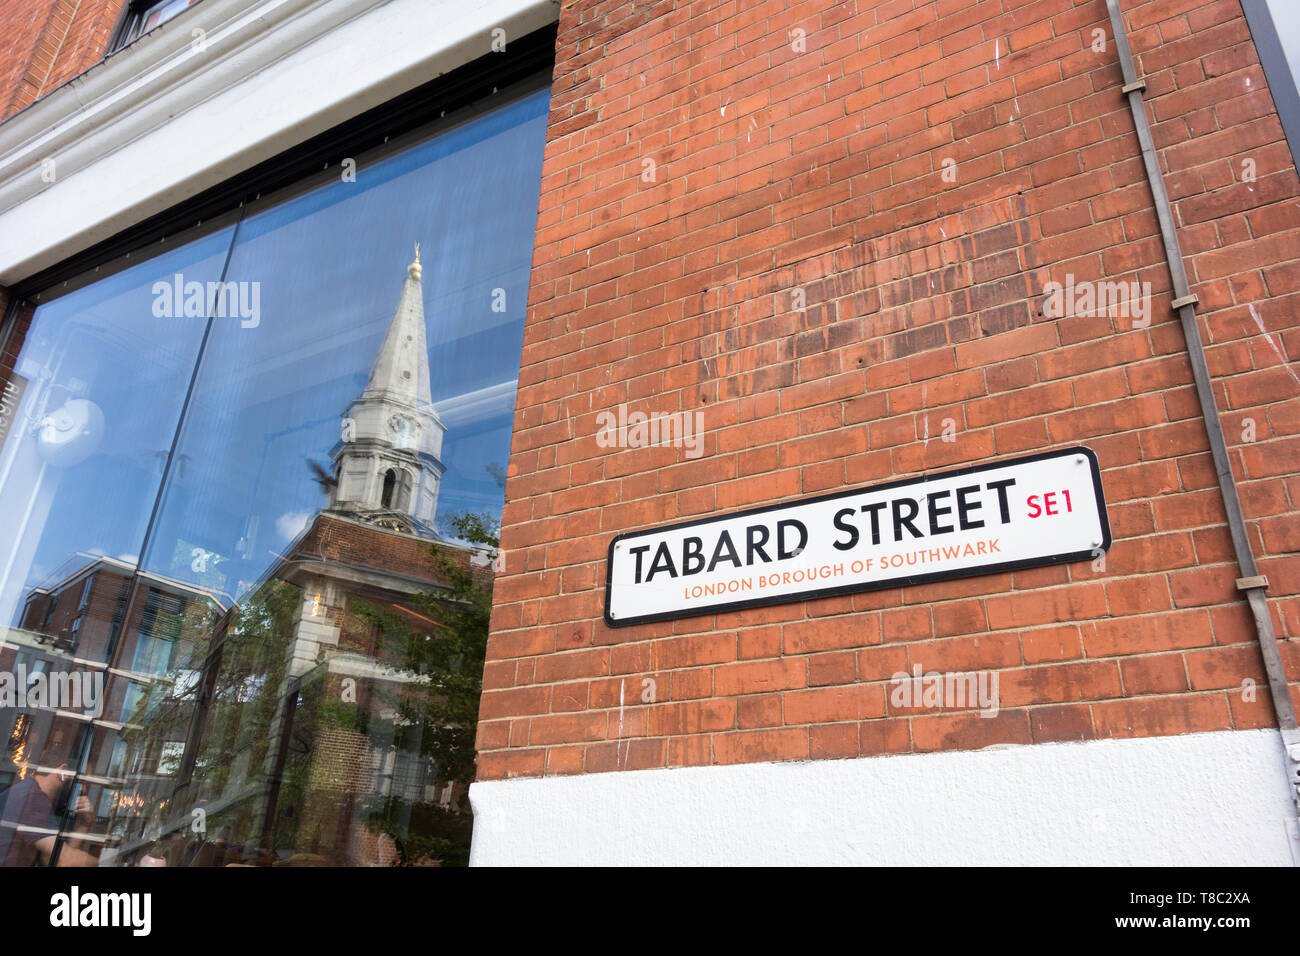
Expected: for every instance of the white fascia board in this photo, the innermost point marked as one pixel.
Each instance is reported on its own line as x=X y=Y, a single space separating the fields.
x=179 y=111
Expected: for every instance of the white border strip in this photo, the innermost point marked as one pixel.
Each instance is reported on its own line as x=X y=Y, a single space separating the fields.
x=1211 y=799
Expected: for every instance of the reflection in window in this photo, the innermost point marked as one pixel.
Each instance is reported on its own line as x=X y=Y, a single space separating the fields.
x=396 y=495
x=273 y=527
x=169 y=761
x=142 y=16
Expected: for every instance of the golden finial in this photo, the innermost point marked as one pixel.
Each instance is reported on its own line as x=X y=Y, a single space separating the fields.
x=414 y=269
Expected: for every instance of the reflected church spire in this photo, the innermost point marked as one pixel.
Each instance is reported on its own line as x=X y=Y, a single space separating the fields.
x=388 y=458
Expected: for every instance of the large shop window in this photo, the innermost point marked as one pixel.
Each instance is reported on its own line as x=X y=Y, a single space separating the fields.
x=239 y=482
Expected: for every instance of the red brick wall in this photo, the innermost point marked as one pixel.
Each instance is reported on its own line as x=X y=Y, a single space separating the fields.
x=823 y=170
x=48 y=42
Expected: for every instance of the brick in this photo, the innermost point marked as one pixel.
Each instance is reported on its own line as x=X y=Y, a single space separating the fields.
x=1061 y=724
x=828 y=741
x=1157 y=632
x=856 y=630
x=790 y=743
x=1082 y=680
x=1154 y=674
x=1226 y=668
x=1051 y=644
x=836 y=668
x=983 y=652
x=1162 y=716
x=759 y=677
x=970 y=731
x=1075 y=603
x=832 y=704
x=890 y=735
x=503 y=764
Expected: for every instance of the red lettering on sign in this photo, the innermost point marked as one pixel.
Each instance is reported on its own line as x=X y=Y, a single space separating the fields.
x=1050 y=505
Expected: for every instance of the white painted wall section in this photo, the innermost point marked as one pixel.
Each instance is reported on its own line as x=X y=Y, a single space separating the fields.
x=1216 y=799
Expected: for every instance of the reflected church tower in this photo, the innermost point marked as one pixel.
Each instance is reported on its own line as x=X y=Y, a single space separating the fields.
x=387 y=461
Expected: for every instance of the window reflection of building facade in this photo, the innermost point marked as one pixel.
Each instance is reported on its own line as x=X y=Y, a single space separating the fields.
x=264 y=700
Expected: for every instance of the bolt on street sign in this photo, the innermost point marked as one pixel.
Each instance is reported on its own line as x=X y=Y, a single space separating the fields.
x=1003 y=516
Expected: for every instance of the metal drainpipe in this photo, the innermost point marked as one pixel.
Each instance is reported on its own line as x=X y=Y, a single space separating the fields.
x=1251 y=581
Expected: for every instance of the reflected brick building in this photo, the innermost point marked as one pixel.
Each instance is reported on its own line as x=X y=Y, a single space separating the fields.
x=259 y=714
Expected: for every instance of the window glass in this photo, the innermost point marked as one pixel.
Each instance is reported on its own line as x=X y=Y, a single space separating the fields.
x=143 y=15
x=263 y=526
x=347 y=360
x=1286 y=20
x=102 y=379
x=159 y=13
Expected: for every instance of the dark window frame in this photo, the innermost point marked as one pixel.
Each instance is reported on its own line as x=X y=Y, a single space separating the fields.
x=129 y=19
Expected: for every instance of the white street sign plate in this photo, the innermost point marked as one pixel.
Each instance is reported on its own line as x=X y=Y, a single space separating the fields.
x=1003 y=516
